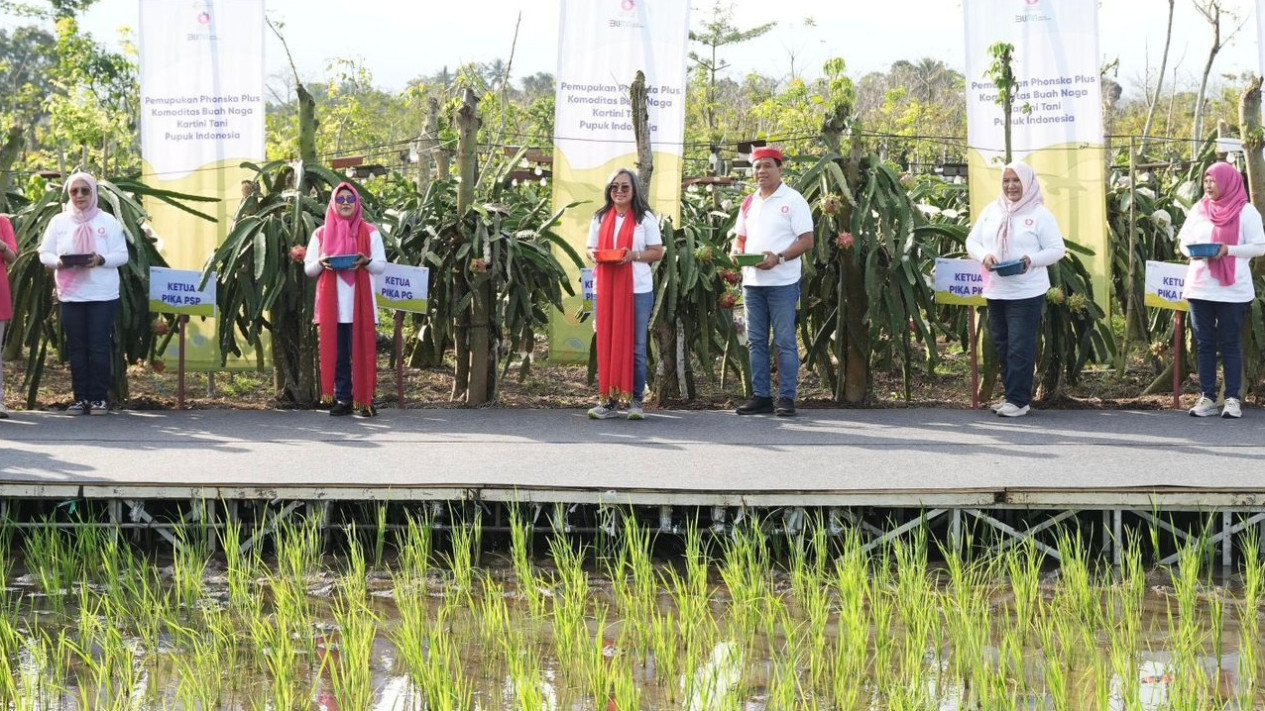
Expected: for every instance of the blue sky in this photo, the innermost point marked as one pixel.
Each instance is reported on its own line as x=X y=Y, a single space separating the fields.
x=398 y=40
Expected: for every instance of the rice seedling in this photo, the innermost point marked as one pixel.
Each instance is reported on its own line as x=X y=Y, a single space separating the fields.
x=298 y=547
x=189 y=566
x=1250 y=604
x=241 y=568
x=350 y=663
x=51 y=560
x=415 y=545
x=466 y=543
x=524 y=568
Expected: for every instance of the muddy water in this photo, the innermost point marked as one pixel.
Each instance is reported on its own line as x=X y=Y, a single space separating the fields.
x=59 y=657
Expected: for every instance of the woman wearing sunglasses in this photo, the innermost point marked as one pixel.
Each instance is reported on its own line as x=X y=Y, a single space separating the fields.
x=624 y=240
x=85 y=248
x=343 y=255
x=8 y=255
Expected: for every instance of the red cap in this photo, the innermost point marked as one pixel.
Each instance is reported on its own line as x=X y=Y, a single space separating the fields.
x=767 y=152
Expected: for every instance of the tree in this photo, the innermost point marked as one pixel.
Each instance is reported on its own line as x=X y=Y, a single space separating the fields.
x=719 y=32
x=1211 y=11
x=1159 y=81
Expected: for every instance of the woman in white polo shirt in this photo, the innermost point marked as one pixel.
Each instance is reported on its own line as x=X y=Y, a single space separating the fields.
x=1219 y=289
x=625 y=228
x=85 y=248
x=1018 y=227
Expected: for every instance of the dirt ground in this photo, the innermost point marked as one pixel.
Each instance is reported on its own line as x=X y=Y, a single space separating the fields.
x=552 y=385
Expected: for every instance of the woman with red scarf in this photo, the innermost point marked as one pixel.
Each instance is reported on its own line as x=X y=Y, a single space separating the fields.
x=8 y=255
x=346 y=313
x=1219 y=289
x=85 y=247
x=625 y=234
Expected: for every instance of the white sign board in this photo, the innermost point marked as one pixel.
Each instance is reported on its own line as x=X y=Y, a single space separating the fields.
x=1165 y=283
x=589 y=288
x=176 y=291
x=403 y=288
x=959 y=282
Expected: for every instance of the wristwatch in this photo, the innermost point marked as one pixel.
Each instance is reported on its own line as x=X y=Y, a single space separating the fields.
x=781 y=258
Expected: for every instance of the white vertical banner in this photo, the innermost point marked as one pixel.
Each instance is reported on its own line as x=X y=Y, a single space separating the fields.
x=602 y=44
x=202 y=115
x=1056 y=125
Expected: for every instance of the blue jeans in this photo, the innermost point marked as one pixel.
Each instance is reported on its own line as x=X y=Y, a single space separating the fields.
x=342 y=366
x=643 y=304
x=1015 y=324
x=1218 y=326
x=89 y=327
x=772 y=305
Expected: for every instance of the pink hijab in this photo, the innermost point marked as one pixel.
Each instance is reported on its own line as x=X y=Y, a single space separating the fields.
x=1224 y=213
x=85 y=241
x=340 y=235
x=1032 y=196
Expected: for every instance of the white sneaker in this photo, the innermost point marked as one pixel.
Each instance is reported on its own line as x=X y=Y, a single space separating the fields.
x=1206 y=407
x=80 y=407
x=602 y=412
x=98 y=407
x=4 y=412
x=997 y=406
x=1011 y=410
x=1231 y=410
x=635 y=412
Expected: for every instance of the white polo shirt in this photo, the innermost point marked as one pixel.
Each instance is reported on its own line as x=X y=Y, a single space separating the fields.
x=773 y=224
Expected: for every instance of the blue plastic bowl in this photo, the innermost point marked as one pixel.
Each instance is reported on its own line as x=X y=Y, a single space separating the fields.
x=343 y=261
x=1203 y=251
x=1011 y=268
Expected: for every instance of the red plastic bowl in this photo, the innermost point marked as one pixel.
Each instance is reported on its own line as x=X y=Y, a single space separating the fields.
x=609 y=256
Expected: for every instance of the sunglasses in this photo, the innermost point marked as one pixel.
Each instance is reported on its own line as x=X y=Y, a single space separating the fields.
x=620 y=187
x=345 y=199
x=80 y=191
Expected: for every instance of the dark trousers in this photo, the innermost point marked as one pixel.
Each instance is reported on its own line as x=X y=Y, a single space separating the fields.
x=89 y=327
x=1015 y=324
x=1218 y=327
x=342 y=367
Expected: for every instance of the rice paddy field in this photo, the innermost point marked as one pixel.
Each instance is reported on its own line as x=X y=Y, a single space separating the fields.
x=416 y=618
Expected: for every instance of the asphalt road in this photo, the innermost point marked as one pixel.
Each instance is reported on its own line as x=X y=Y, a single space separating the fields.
x=820 y=451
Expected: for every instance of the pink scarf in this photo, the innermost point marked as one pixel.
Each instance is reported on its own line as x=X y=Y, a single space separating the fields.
x=341 y=236
x=85 y=242
x=1224 y=213
x=1032 y=196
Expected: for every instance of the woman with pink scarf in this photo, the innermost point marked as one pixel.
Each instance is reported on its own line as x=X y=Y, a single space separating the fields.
x=1219 y=289
x=8 y=255
x=346 y=312
x=85 y=248
x=1018 y=227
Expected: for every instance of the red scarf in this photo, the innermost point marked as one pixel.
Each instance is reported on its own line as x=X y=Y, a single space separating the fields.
x=1224 y=213
x=615 y=311
x=335 y=238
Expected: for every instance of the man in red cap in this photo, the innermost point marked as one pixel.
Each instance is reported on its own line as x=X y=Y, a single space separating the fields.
x=774 y=221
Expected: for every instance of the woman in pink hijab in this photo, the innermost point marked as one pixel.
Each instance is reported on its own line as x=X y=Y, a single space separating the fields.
x=1219 y=288
x=346 y=311
x=8 y=255
x=1019 y=231
x=85 y=248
